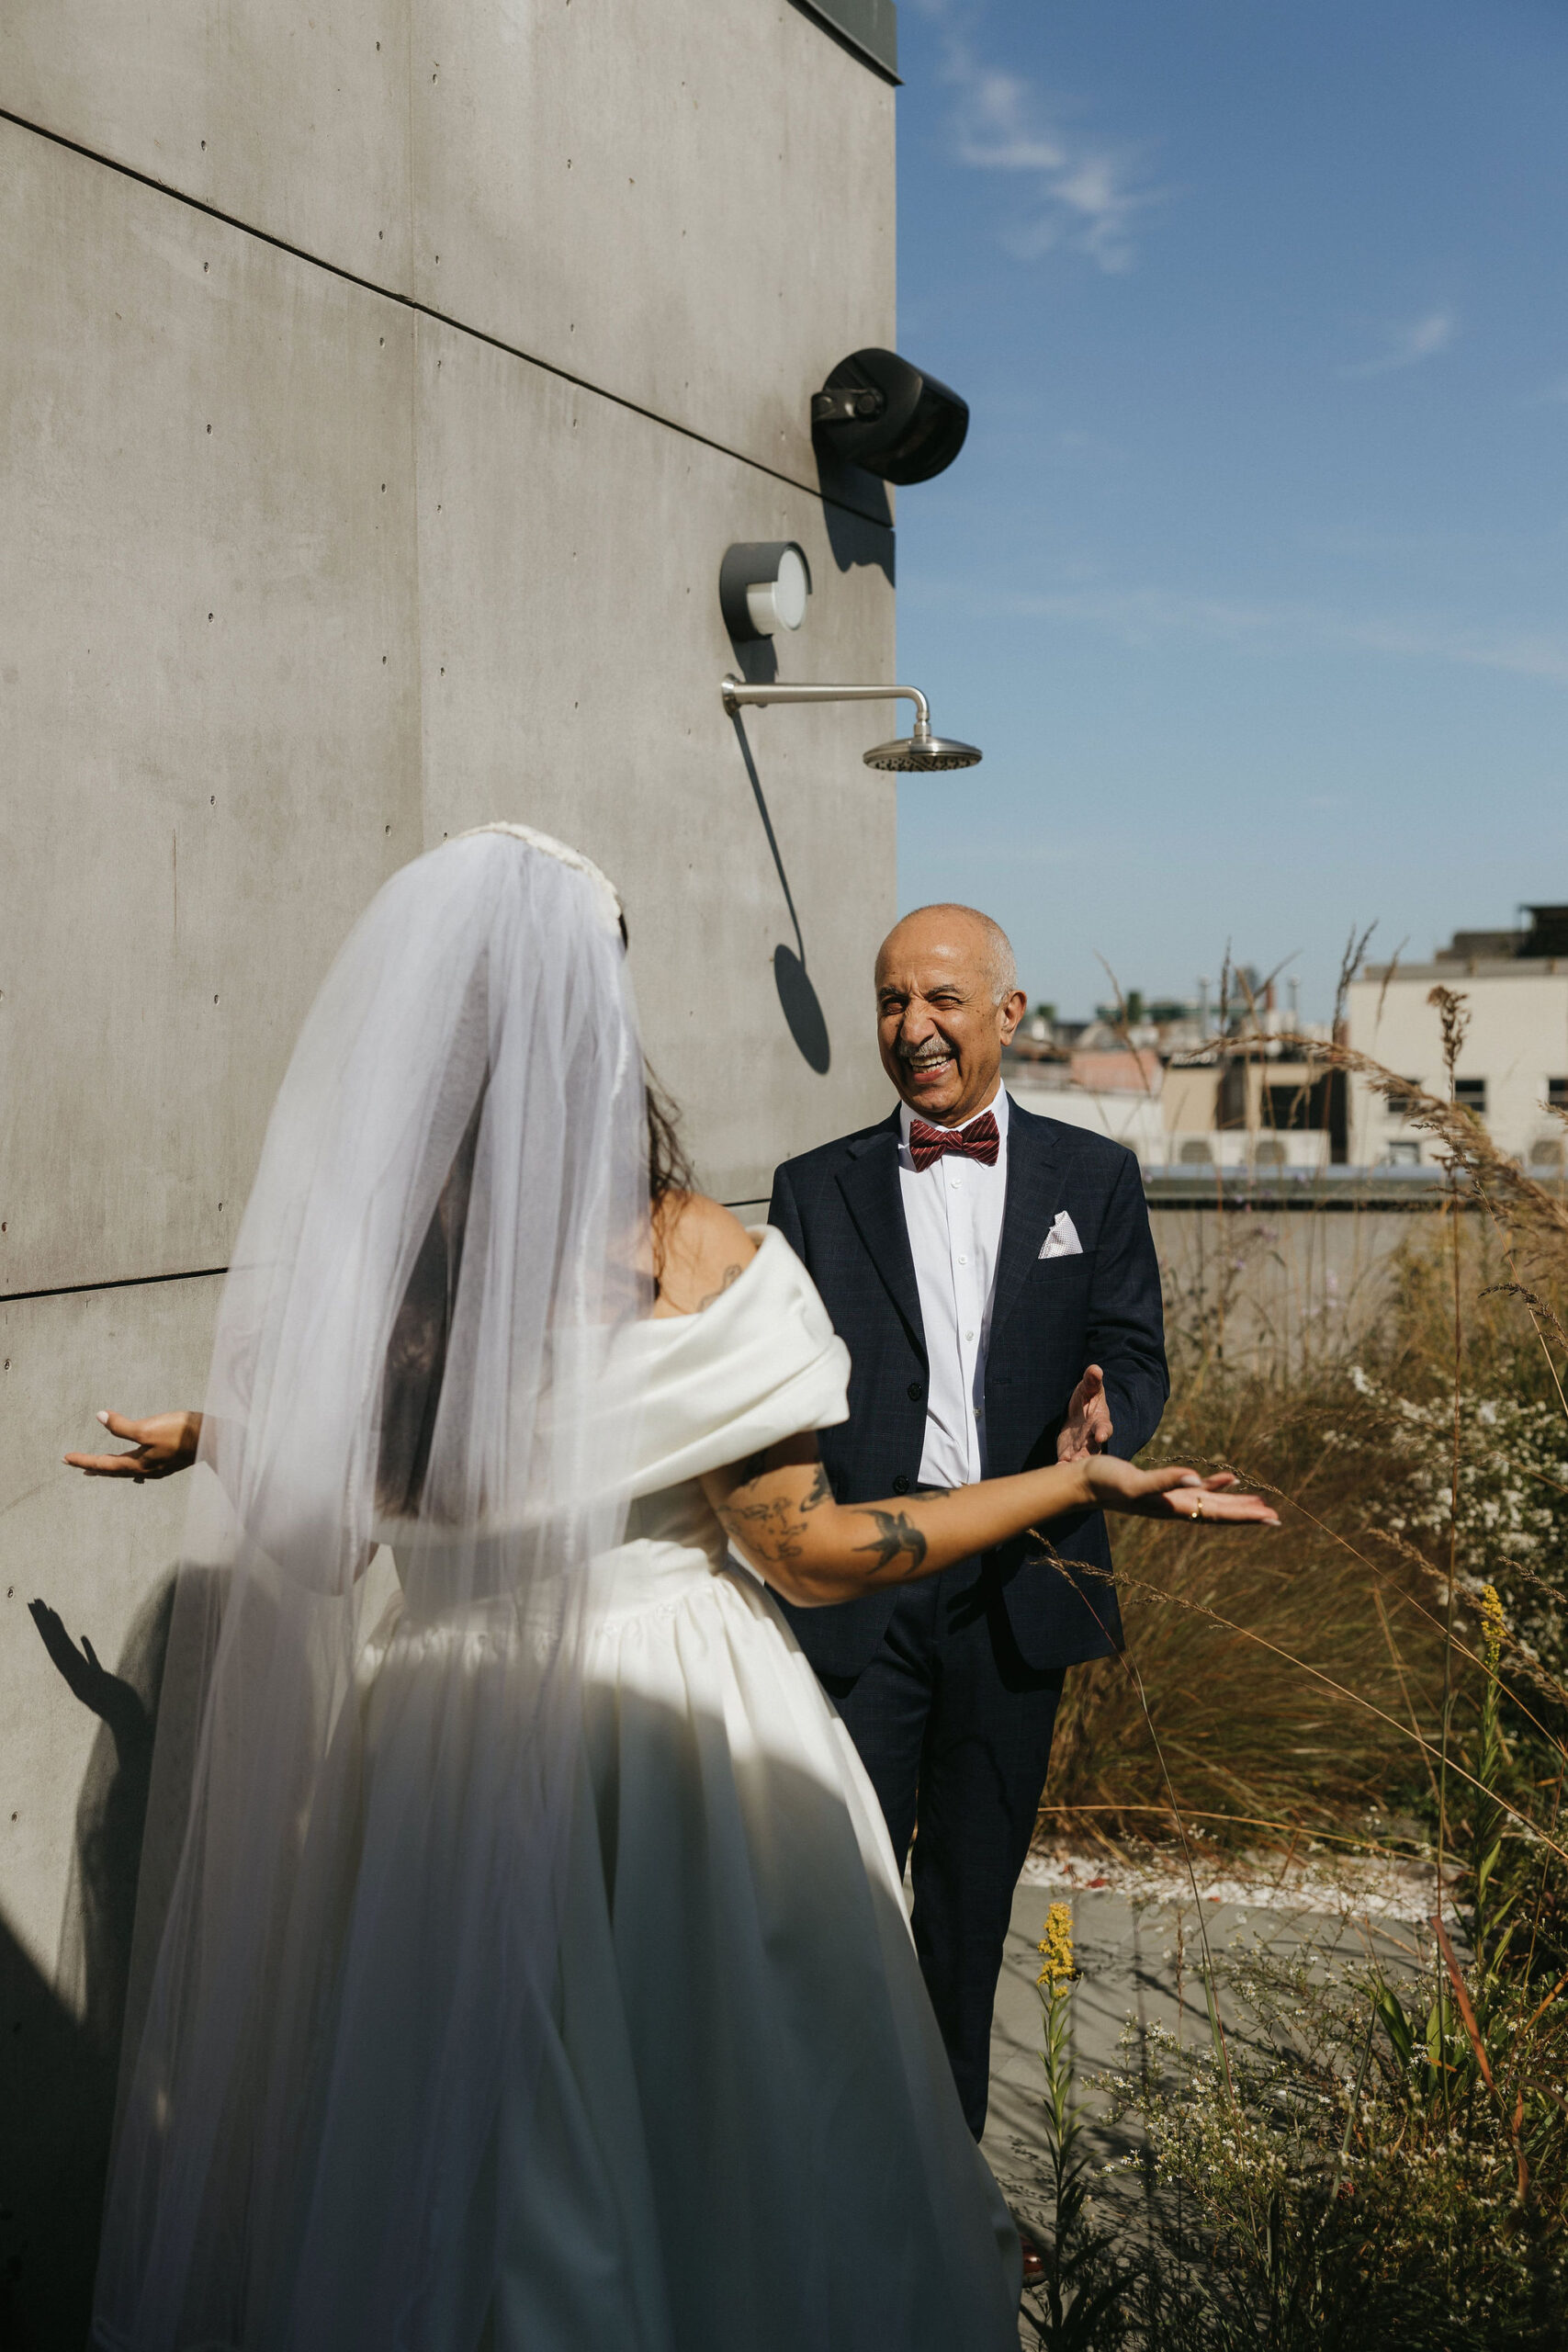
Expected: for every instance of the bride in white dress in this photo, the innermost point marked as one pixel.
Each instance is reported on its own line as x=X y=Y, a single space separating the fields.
x=523 y=1961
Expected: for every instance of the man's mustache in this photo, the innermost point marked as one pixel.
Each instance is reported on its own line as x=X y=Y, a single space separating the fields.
x=919 y=1056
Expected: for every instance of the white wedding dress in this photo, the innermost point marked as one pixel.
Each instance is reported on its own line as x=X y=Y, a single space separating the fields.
x=745 y=2137
x=520 y=1962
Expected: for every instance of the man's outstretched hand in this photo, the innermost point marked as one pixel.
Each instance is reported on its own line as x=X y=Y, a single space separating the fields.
x=1087 y=1429
x=161 y=1445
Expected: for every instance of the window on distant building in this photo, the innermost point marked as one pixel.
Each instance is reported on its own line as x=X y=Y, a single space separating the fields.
x=1557 y=1093
x=1195 y=1154
x=1404 y=1155
x=1271 y=1153
x=1401 y=1104
x=1547 y=1153
x=1305 y=1103
x=1469 y=1093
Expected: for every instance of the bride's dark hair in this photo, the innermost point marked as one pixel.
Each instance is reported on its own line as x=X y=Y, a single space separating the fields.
x=669 y=1169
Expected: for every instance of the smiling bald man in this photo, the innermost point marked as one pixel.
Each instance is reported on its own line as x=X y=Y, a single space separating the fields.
x=994 y=1277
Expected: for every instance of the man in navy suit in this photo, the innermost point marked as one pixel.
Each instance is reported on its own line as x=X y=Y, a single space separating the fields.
x=994 y=1277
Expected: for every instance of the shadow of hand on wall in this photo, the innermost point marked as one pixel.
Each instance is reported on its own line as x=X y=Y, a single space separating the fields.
x=111 y=1812
x=798 y=999
x=112 y=1700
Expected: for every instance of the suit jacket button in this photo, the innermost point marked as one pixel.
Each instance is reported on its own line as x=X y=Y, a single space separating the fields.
x=900 y=1483
x=917 y=1390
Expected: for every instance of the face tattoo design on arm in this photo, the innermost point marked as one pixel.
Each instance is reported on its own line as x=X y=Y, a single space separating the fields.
x=771 y=1527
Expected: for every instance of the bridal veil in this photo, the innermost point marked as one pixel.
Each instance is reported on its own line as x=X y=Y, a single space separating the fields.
x=416 y=1345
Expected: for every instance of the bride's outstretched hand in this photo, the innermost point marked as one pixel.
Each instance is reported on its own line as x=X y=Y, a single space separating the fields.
x=1175 y=1494
x=162 y=1444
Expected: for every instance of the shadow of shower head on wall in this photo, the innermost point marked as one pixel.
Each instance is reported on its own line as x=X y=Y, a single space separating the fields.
x=917 y=754
x=798 y=1001
x=802 y=1010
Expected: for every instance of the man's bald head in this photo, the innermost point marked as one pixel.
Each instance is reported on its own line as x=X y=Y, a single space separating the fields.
x=947 y=1001
x=948 y=921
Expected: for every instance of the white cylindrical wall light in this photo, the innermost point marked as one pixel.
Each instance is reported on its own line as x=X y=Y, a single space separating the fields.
x=763 y=585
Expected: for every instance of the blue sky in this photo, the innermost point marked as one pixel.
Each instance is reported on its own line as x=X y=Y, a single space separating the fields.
x=1251 y=579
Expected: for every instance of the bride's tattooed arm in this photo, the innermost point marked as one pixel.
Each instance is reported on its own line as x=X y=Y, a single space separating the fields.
x=779 y=1511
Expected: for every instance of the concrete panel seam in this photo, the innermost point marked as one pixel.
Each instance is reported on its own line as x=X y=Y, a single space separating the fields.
x=440 y=318
x=121 y=1281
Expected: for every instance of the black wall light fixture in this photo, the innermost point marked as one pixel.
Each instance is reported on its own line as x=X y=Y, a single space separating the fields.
x=878 y=412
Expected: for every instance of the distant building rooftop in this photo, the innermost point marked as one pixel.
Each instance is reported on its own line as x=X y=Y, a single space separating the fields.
x=1543 y=940
x=1536 y=947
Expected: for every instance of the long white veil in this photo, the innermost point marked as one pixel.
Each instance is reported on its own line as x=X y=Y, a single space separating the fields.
x=358 y=1940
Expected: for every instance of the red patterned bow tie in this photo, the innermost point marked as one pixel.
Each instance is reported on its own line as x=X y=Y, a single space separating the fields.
x=979 y=1140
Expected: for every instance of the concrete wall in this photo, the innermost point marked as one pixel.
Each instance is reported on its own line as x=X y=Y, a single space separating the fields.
x=1270 y=1289
x=383 y=382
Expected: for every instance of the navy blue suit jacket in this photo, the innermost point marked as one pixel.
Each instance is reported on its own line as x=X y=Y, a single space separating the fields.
x=840 y=1210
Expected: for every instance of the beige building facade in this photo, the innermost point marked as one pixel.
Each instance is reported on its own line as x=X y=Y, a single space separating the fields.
x=1512 y=1068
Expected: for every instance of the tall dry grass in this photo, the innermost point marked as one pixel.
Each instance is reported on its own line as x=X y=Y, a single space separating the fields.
x=1376 y=2163
x=1296 y=1682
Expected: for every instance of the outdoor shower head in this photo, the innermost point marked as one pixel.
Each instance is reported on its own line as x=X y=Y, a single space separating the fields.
x=917 y=754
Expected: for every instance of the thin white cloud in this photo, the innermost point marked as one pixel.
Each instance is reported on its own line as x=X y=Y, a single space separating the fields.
x=1076 y=192
x=1407 y=345
x=1147 y=616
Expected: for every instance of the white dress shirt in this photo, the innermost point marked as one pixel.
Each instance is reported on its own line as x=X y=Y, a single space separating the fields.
x=953 y=1213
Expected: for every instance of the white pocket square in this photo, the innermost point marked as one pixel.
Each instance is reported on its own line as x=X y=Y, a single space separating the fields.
x=1062 y=1242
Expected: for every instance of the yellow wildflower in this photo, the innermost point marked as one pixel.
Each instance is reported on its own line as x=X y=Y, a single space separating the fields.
x=1055 y=1946
x=1492 y=1626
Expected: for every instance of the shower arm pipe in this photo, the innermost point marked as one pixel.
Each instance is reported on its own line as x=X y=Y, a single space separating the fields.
x=737 y=691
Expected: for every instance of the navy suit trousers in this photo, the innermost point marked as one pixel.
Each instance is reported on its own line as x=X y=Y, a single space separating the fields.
x=948 y=1707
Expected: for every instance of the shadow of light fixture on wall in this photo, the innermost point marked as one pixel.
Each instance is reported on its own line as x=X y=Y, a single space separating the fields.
x=917 y=754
